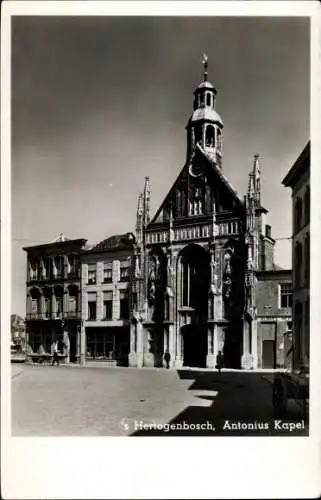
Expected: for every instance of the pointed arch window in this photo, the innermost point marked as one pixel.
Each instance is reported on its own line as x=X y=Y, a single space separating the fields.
x=196 y=201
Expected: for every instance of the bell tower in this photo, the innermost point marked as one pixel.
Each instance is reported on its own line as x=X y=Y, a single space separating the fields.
x=205 y=125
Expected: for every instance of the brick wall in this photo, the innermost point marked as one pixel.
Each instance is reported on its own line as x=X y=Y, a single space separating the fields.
x=268 y=293
x=272 y=319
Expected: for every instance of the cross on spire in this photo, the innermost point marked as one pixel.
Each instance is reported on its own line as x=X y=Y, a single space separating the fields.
x=205 y=64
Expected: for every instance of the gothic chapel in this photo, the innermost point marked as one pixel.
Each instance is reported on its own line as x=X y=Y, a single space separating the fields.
x=195 y=287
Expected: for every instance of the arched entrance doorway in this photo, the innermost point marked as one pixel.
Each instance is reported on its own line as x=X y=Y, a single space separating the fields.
x=193 y=287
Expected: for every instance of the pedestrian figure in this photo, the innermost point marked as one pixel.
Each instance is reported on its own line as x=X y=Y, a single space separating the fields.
x=55 y=358
x=219 y=361
x=167 y=358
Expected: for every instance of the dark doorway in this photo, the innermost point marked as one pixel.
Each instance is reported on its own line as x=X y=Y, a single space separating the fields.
x=73 y=347
x=195 y=345
x=268 y=354
x=233 y=345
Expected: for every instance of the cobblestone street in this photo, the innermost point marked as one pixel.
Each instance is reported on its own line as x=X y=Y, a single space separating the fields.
x=74 y=401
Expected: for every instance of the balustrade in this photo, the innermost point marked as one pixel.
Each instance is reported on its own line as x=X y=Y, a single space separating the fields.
x=194 y=232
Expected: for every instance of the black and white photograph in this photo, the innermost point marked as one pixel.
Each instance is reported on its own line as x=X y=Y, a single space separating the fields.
x=160 y=226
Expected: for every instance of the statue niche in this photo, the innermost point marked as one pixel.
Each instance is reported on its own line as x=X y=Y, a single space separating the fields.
x=152 y=280
x=227 y=276
x=156 y=286
x=233 y=282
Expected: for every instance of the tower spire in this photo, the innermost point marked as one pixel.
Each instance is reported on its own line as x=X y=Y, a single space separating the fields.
x=139 y=218
x=256 y=177
x=205 y=64
x=146 y=201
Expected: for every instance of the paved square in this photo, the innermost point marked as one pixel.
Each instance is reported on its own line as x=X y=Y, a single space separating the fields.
x=76 y=401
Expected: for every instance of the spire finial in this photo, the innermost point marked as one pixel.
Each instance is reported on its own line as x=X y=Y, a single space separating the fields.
x=146 y=200
x=205 y=63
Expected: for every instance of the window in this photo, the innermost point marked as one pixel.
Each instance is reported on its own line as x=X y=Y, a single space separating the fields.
x=73 y=265
x=298 y=265
x=34 y=306
x=108 y=305
x=72 y=304
x=124 y=306
x=196 y=201
x=108 y=272
x=92 y=274
x=100 y=345
x=59 y=306
x=46 y=307
x=210 y=135
x=92 y=306
x=208 y=99
x=219 y=139
x=124 y=270
x=298 y=215
x=59 y=263
x=48 y=267
x=33 y=270
x=307 y=205
x=285 y=295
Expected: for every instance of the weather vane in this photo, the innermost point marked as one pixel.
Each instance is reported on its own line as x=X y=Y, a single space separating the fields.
x=204 y=61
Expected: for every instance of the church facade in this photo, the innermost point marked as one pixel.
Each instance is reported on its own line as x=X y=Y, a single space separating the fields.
x=195 y=279
x=205 y=279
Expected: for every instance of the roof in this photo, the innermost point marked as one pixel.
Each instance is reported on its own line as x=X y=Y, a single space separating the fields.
x=116 y=242
x=206 y=85
x=58 y=241
x=300 y=165
x=221 y=175
x=206 y=113
x=214 y=167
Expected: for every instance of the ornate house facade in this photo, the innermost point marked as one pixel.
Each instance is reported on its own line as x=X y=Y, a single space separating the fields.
x=200 y=261
x=53 y=302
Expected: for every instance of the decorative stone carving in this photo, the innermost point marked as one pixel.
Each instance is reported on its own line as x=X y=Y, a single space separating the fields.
x=227 y=276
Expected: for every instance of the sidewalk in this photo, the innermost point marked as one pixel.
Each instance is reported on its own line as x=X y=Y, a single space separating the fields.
x=102 y=364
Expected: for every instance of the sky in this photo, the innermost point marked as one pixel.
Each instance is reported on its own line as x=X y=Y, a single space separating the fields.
x=98 y=103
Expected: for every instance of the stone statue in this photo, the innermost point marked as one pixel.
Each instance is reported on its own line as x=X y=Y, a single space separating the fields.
x=153 y=277
x=227 y=281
